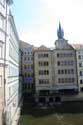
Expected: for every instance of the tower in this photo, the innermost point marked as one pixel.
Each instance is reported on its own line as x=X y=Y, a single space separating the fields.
x=60 y=32
x=61 y=42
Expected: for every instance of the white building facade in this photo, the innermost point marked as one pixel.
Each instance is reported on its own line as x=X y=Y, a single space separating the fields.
x=4 y=11
x=9 y=67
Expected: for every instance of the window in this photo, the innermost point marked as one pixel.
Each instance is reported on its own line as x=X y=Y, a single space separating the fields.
x=31 y=58
x=31 y=75
x=43 y=81
x=57 y=54
x=72 y=71
x=9 y=91
x=13 y=71
x=28 y=86
x=28 y=66
x=73 y=80
x=28 y=75
x=43 y=55
x=70 y=54
x=66 y=80
x=32 y=66
x=67 y=63
x=0 y=81
x=62 y=71
x=58 y=63
x=0 y=51
x=25 y=67
x=80 y=64
x=24 y=58
x=39 y=55
x=58 y=71
x=81 y=81
x=40 y=63
x=47 y=72
x=43 y=63
x=79 y=56
x=25 y=74
x=31 y=53
x=64 y=55
x=66 y=71
x=71 y=62
x=81 y=89
x=43 y=72
x=1 y=22
x=13 y=53
x=28 y=58
x=62 y=80
x=59 y=80
x=40 y=72
x=80 y=73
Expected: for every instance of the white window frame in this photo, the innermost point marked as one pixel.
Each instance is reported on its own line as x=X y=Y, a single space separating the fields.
x=0 y=51
x=0 y=80
x=1 y=22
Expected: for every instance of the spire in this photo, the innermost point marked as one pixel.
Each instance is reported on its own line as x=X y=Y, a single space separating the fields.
x=60 y=32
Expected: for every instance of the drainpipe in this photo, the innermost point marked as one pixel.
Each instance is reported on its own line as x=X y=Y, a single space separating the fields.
x=4 y=69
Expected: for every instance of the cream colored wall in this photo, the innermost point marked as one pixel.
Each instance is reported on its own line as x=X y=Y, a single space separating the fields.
x=64 y=67
x=53 y=68
x=37 y=68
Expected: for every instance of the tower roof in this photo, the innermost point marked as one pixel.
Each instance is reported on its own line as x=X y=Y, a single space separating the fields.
x=60 y=32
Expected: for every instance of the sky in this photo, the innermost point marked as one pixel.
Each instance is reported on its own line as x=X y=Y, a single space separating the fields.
x=37 y=20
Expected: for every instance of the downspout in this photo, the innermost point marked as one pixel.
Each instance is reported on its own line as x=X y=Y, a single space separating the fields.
x=4 y=68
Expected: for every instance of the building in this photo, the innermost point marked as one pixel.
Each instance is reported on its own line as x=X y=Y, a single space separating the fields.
x=4 y=11
x=55 y=71
x=43 y=73
x=79 y=60
x=10 y=94
x=53 y=74
x=27 y=67
x=13 y=93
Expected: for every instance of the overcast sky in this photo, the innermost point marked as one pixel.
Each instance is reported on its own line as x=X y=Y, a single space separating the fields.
x=37 y=20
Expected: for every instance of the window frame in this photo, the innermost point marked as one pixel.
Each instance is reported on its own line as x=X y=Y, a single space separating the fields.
x=1 y=51
x=2 y=22
x=0 y=80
